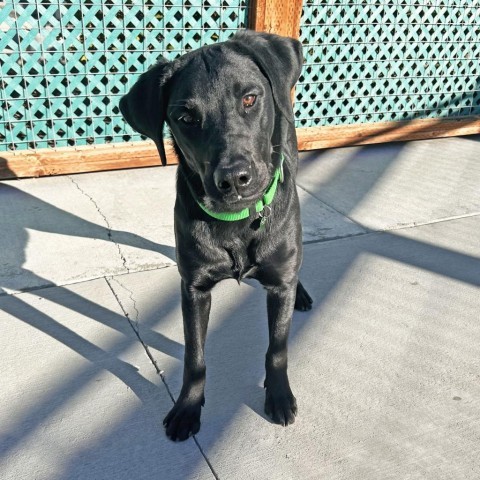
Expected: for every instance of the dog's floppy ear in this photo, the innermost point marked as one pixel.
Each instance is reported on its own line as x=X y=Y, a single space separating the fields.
x=279 y=58
x=143 y=107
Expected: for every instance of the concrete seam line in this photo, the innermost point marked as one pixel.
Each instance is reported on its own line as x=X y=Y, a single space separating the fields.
x=105 y=219
x=134 y=325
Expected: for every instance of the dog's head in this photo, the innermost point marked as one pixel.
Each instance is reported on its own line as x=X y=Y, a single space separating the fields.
x=227 y=106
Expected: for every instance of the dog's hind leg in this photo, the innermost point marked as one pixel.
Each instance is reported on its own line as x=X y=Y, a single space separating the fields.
x=303 y=301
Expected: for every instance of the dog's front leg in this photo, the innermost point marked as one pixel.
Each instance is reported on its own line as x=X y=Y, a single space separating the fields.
x=183 y=419
x=280 y=404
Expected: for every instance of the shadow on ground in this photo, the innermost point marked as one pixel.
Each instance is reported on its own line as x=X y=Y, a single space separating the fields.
x=230 y=340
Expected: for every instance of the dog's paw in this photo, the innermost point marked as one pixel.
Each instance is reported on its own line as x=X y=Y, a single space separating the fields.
x=183 y=420
x=303 y=301
x=281 y=407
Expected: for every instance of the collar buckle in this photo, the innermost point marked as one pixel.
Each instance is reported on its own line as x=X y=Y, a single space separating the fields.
x=265 y=212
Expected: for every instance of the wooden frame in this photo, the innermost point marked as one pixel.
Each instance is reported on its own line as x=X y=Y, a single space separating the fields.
x=94 y=158
x=274 y=16
x=35 y=163
x=367 y=133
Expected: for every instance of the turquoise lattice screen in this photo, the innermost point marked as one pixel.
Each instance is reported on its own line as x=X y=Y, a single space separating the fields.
x=370 y=60
x=64 y=64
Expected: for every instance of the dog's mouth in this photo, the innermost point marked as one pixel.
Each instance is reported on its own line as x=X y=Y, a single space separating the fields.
x=231 y=204
x=234 y=202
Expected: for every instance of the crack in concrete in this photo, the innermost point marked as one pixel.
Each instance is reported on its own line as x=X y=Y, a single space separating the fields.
x=105 y=219
x=135 y=327
x=340 y=237
x=134 y=305
x=331 y=207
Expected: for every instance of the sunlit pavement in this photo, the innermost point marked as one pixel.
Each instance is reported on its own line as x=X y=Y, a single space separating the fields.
x=385 y=368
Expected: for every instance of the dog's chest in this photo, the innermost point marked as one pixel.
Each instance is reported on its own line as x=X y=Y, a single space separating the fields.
x=243 y=262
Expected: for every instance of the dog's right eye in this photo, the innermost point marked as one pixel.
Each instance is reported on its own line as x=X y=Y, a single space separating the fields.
x=189 y=119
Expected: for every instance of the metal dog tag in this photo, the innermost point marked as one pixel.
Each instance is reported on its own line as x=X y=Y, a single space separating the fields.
x=264 y=214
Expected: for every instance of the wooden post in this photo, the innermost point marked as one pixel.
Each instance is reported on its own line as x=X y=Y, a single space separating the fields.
x=276 y=16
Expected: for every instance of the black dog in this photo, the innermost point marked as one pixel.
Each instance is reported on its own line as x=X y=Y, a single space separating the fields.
x=237 y=213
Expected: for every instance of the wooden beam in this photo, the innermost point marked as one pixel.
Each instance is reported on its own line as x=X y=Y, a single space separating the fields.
x=61 y=161
x=276 y=16
x=313 y=138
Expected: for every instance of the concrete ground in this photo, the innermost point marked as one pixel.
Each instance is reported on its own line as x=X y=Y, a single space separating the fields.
x=385 y=368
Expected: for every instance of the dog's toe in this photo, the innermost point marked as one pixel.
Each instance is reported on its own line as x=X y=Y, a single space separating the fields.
x=303 y=301
x=182 y=421
x=282 y=409
x=186 y=428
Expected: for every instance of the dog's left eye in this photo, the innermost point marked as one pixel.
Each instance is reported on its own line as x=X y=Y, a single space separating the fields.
x=248 y=101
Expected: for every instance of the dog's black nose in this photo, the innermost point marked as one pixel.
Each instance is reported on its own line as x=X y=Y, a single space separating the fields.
x=228 y=179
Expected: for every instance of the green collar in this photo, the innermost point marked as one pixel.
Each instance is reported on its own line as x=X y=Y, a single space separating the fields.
x=265 y=201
